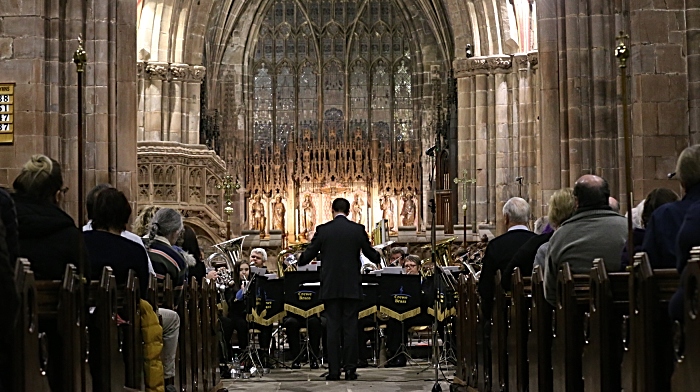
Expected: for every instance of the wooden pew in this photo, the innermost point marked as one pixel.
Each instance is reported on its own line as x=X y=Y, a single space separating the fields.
x=648 y=358
x=196 y=336
x=483 y=352
x=539 y=341
x=567 y=340
x=499 y=331
x=602 y=352
x=472 y=326
x=214 y=340
x=518 y=332
x=130 y=311
x=59 y=305
x=184 y=350
x=686 y=377
x=206 y=330
x=106 y=361
x=29 y=373
x=461 y=331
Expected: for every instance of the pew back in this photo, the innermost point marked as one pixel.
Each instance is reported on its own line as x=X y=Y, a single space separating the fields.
x=540 y=336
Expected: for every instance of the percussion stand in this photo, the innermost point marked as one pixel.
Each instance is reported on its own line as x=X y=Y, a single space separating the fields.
x=306 y=346
x=249 y=352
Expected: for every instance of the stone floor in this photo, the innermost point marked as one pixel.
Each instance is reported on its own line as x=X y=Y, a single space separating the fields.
x=370 y=379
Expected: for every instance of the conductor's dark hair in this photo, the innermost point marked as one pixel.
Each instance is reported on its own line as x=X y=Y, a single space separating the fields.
x=341 y=205
x=111 y=210
x=92 y=197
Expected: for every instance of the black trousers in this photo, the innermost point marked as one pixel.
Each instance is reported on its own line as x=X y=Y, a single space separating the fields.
x=394 y=333
x=365 y=336
x=293 y=323
x=341 y=314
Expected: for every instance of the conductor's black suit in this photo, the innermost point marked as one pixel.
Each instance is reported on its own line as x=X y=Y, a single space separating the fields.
x=339 y=242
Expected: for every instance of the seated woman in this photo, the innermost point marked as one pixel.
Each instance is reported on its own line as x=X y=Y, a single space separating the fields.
x=166 y=227
x=106 y=246
x=48 y=236
x=235 y=318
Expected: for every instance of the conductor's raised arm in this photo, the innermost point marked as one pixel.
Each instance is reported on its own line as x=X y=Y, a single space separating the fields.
x=369 y=251
x=312 y=250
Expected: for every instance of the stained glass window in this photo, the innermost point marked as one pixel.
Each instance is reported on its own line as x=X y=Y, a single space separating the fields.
x=333 y=66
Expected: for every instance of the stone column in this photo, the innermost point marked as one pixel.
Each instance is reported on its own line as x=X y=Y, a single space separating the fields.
x=153 y=103
x=179 y=74
x=194 y=89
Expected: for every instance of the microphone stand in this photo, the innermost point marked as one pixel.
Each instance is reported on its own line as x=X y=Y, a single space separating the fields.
x=433 y=258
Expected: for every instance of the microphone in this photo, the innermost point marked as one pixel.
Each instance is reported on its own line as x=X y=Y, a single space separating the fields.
x=671 y=175
x=431 y=151
x=519 y=179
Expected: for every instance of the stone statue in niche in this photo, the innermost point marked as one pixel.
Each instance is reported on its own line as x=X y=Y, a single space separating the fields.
x=257 y=214
x=408 y=212
x=387 y=207
x=308 y=220
x=278 y=212
x=356 y=209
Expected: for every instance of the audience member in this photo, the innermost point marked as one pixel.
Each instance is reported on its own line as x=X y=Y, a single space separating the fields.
x=662 y=228
x=191 y=246
x=594 y=231
x=90 y=208
x=8 y=308
x=8 y=215
x=48 y=236
x=500 y=250
x=561 y=207
x=540 y=224
x=142 y=223
x=109 y=215
x=688 y=237
x=614 y=204
x=165 y=230
x=654 y=200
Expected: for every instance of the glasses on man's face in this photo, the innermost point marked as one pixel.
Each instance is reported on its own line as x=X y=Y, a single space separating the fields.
x=408 y=266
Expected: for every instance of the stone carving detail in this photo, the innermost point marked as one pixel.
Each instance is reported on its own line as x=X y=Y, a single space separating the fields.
x=308 y=220
x=171 y=71
x=387 y=207
x=257 y=213
x=278 y=211
x=356 y=209
x=483 y=64
x=183 y=178
x=408 y=211
x=533 y=58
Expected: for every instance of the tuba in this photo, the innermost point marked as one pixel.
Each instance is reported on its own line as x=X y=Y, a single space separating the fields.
x=224 y=261
x=384 y=250
x=287 y=259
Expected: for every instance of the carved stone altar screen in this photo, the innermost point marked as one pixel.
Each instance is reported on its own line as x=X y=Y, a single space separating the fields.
x=333 y=114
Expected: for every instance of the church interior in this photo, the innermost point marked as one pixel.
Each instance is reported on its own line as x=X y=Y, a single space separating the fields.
x=248 y=118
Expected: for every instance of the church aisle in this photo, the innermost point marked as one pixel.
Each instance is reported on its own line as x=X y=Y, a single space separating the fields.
x=370 y=379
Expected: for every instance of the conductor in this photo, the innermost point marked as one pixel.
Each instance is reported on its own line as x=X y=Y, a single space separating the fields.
x=339 y=243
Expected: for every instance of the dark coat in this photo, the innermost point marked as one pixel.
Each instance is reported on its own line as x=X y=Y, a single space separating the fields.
x=167 y=261
x=49 y=239
x=499 y=252
x=524 y=258
x=662 y=230
x=688 y=237
x=339 y=242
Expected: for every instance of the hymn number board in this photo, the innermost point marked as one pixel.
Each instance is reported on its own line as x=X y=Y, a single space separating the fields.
x=7 y=105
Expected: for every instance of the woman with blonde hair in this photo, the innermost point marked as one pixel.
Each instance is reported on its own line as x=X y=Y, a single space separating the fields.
x=48 y=236
x=561 y=207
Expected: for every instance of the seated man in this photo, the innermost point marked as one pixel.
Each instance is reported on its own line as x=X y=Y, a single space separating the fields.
x=501 y=249
x=397 y=257
x=107 y=247
x=394 y=334
x=293 y=324
x=594 y=231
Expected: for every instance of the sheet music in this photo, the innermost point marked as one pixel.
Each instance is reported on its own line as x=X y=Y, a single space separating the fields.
x=271 y=276
x=308 y=267
x=392 y=270
x=258 y=270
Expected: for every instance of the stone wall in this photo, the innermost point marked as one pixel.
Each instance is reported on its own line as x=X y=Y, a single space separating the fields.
x=498 y=131
x=37 y=41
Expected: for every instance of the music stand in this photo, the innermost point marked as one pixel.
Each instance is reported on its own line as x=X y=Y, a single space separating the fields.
x=400 y=299
x=442 y=308
x=301 y=298
x=369 y=306
x=253 y=308
x=269 y=307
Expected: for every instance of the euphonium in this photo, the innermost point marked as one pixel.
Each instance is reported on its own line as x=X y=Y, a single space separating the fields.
x=442 y=252
x=224 y=260
x=287 y=259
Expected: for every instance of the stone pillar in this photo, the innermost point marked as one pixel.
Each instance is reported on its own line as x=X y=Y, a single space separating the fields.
x=692 y=21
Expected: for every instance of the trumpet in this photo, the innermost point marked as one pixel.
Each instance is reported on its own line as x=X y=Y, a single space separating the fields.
x=287 y=259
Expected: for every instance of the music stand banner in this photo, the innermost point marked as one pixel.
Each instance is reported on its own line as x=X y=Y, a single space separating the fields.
x=269 y=301
x=447 y=299
x=301 y=293
x=370 y=296
x=400 y=296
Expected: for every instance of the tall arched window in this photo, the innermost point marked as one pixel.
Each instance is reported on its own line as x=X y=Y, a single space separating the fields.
x=332 y=67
